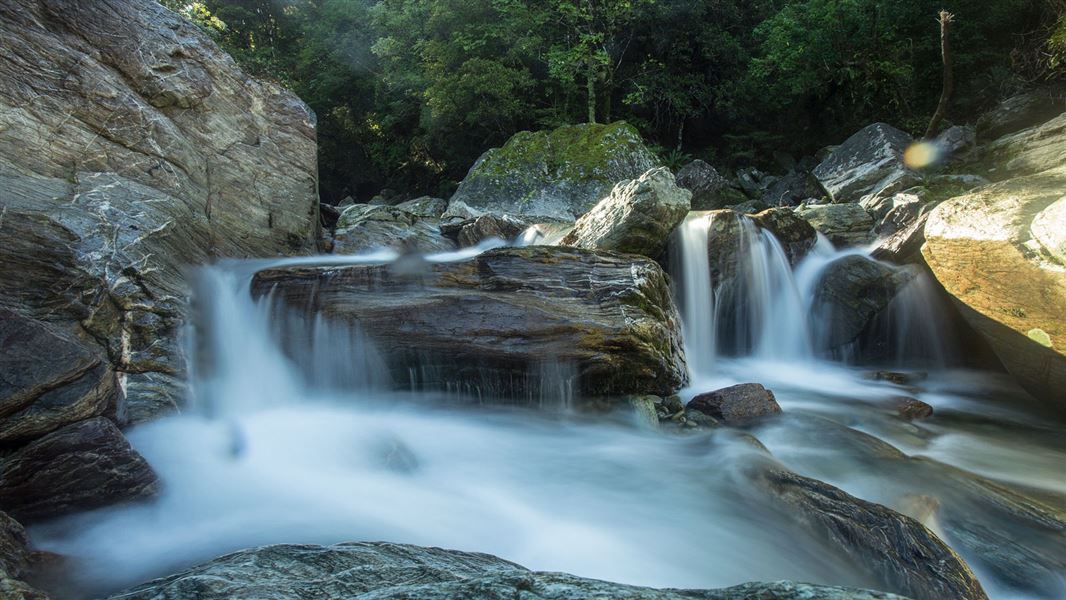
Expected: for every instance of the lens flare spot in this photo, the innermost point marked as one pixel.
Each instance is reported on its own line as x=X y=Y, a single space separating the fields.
x=921 y=155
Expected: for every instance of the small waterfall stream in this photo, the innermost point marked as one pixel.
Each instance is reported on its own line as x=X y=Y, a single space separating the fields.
x=316 y=446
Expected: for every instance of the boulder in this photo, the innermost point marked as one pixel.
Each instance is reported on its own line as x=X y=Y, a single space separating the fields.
x=1030 y=151
x=736 y=404
x=637 y=217
x=48 y=379
x=363 y=228
x=1009 y=285
x=795 y=187
x=796 y=235
x=911 y=408
x=1021 y=111
x=551 y=175
x=504 y=227
x=898 y=552
x=871 y=161
x=14 y=560
x=852 y=291
x=904 y=212
x=905 y=245
x=425 y=206
x=710 y=190
x=955 y=143
x=879 y=206
x=498 y=321
x=383 y=571
x=843 y=224
x=81 y=466
x=130 y=148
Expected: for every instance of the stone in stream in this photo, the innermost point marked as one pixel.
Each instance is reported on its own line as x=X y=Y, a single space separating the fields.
x=425 y=206
x=853 y=290
x=81 y=466
x=363 y=228
x=911 y=408
x=384 y=571
x=15 y=561
x=131 y=148
x=548 y=176
x=997 y=251
x=844 y=224
x=48 y=379
x=637 y=217
x=871 y=161
x=795 y=234
x=504 y=322
x=736 y=404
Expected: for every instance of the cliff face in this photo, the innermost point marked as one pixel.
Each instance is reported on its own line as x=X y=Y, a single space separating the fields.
x=131 y=146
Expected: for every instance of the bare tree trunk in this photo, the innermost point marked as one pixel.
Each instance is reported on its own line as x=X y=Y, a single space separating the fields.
x=946 y=19
x=680 y=133
x=591 y=82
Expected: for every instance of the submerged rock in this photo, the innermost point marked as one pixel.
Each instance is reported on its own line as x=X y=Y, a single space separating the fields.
x=554 y=175
x=131 y=148
x=871 y=161
x=853 y=290
x=736 y=404
x=501 y=322
x=393 y=571
x=81 y=466
x=362 y=228
x=1011 y=288
x=637 y=217
x=844 y=224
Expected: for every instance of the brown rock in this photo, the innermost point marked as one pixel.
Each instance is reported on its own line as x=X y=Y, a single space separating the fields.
x=736 y=404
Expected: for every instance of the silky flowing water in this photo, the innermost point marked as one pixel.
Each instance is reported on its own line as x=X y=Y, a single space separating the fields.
x=321 y=450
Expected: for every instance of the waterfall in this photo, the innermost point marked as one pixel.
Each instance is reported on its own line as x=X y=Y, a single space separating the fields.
x=697 y=304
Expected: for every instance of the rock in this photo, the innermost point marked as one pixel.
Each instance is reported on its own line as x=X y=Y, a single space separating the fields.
x=754 y=182
x=504 y=227
x=956 y=143
x=871 y=161
x=853 y=290
x=843 y=224
x=425 y=206
x=878 y=207
x=1047 y=229
x=551 y=175
x=904 y=212
x=81 y=466
x=363 y=228
x=905 y=245
x=710 y=190
x=903 y=556
x=736 y=404
x=1021 y=111
x=496 y=320
x=796 y=235
x=636 y=218
x=911 y=408
x=48 y=379
x=749 y=207
x=982 y=249
x=131 y=148
x=381 y=571
x=795 y=187
x=1030 y=151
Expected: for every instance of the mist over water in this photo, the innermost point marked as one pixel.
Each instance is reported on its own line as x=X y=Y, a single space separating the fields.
x=314 y=446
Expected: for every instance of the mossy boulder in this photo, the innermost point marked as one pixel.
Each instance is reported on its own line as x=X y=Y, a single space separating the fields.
x=553 y=175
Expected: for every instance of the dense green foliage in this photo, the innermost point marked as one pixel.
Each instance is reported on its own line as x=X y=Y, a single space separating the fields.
x=409 y=92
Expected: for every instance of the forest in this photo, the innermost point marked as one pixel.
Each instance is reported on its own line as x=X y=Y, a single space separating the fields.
x=408 y=93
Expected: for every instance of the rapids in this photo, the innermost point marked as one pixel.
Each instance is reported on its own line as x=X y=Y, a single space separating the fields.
x=321 y=450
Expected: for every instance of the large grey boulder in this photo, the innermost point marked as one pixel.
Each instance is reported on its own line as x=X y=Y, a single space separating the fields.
x=383 y=571
x=871 y=161
x=710 y=190
x=1021 y=111
x=998 y=252
x=129 y=148
x=363 y=228
x=496 y=321
x=48 y=380
x=425 y=206
x=637 y=217
x=853 y=290
x=844 y=224
x=81 y=466
x=554 y=175
x=1033 y=150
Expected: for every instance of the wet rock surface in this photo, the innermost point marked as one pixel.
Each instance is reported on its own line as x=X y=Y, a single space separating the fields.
x=796 y=234
x=362 y=228
x=736 y=404
x=852 y=292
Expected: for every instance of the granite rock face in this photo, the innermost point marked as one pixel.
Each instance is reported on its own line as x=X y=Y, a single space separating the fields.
x=129 y=148
x=871 y=161
x=605 y=322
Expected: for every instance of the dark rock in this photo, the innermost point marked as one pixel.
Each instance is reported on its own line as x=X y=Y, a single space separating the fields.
x=146 y=150
x=844 y=224
x=903 y=555
x=871 y=161
x=48 y=379
x=495 y=320
x=504 y=227
x=1021 y=111
x=425 y=206
x=956 y=143
x=551 y=175
x=636 y=218
x=393 y=571
x=912 y=408
x=796 y=235
x=362 y=228
x=710 y=190
x=795 y=187
x=903 y=246
x=81 y=466
x=736 y=404
x=900 y=217
x=852 y=292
